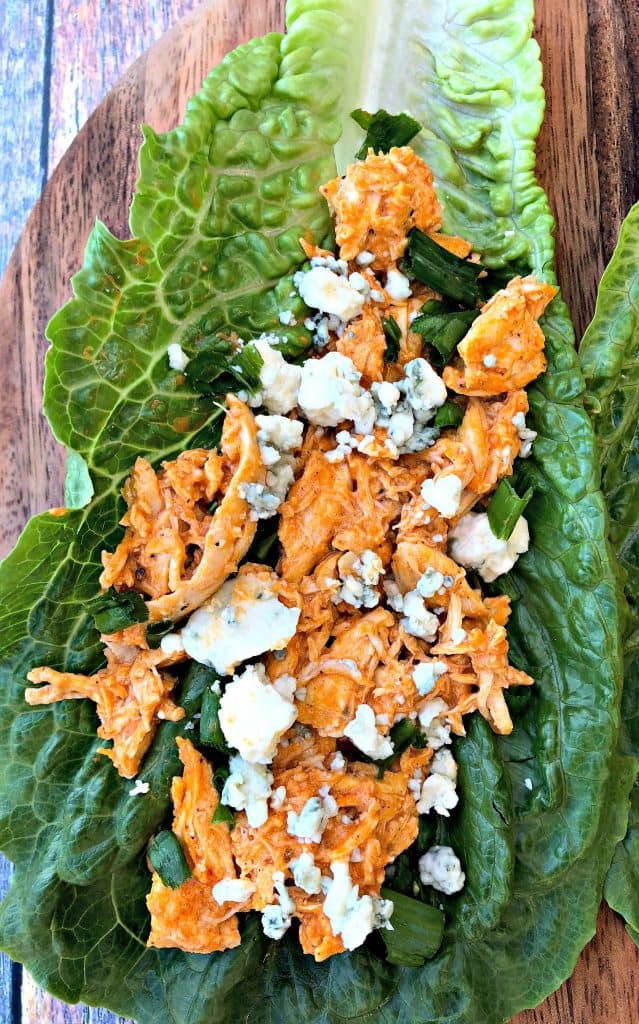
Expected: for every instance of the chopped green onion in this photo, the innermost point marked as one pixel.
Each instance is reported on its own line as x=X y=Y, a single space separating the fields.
x=223 y=815
x=443 y=328
x=155 y=632
x=402 y=735
x=442 y=270
x=393 y=335
x=505 y=509
x=167 y=857
x=449 y=415
x=220 y=775
x=417 y=932
x=115 y=610
x=384 y=130
x=212 y=508
x=264 y=547
x=210 y=730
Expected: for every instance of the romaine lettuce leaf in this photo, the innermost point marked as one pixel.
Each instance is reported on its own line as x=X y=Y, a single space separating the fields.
x=609 y=359
x=220 y=205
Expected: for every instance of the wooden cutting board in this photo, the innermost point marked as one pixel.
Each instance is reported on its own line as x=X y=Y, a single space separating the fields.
x=588 y=164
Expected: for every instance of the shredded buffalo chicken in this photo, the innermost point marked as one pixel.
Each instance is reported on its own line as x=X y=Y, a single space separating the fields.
x=391 y=625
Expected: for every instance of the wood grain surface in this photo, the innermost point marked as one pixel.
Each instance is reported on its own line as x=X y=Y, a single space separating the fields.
x=587 y=161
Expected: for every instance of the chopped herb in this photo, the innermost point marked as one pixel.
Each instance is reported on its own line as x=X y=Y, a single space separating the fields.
x=115 y=610
x=449 y=415
x=210 y=730
x=505 y=509
x=417 y=933
x=443 y=328
x=442 y=270
x=167 y=857
x=384 y=130
x=393 y=334
x=212 y=508
x=223 y=814
x=155 y=632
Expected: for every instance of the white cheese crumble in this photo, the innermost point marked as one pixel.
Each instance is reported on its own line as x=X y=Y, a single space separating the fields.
x=425 y=391
x=430 y=582
x=338 y=762
x=365 y=258
x=359 y=283
x=279 y=380
x=278 y=798
x=139 y=788
x=352 y=916
x=363 y=733
x=426 y=674
x=440 y=868
x=248 y=788
x=330 y=392
x=310 y=823
x=474 y=545
x=277 y=917
x=443 y=494
x=287 y=318
x=397 y=286
x=233 y=890
x=254 y=716
x=279 y=432
x=394 y=596
x=432 y=720
x=172 y=644
x=438 y=794
x=418 y=621
x=323 y=289
x=359 y=578
x=243 y=619
x=489 y=361
x=443 y=763
x=526 y=435
x=305 y=875
x=528 y=784
x=178 y=359
x=386 y=396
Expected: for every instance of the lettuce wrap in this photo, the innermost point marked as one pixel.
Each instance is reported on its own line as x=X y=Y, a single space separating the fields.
x=220 y=205
x=608 y=356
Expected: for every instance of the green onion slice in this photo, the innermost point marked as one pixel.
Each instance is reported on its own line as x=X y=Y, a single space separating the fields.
x=155 y=632
x=210 y=730
x=505 y=509
x=443 y=328
x=115 y=610
x=417 y=932
x=393 y=334
x=442 y=270
x=384 y=130
x=167 y=857
x=449 y=415
x=223 y=816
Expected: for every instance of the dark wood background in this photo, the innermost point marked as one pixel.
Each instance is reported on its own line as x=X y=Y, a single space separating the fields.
x=58 y=59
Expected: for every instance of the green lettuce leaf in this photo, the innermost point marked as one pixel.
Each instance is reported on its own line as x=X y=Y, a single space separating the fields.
x=609 y=359
x=220 y=205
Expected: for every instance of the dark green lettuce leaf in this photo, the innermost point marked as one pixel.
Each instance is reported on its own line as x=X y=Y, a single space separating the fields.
x=220 y=205
x=609 y=359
